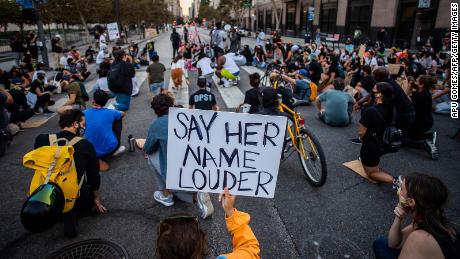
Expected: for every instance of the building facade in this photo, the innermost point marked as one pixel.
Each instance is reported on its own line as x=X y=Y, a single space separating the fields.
x=406 y=21
x=175 y=8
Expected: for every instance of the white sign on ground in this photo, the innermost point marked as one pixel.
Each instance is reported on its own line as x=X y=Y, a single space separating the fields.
x=112 y=29
x=209 y=150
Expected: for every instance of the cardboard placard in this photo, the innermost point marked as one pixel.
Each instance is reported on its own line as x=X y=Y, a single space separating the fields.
x=209 y=150
x=112 y=29
x=394 y=68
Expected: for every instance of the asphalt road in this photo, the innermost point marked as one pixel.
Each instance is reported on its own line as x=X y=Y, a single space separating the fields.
x=338 y=220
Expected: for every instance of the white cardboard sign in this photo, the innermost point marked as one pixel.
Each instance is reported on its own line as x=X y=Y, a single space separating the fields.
x=209 y=150
x=112 y=29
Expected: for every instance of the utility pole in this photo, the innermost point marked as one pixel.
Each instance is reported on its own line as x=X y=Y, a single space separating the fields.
x=41 y=32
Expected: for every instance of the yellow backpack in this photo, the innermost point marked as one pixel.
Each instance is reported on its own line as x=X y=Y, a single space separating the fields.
x=314 y=91
x=55 y=164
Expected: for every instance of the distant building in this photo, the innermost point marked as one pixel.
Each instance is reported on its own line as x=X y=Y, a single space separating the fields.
x=404 y=20
x=174 y=7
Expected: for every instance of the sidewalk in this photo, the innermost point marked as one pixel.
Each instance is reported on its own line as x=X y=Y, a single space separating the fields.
x=6 y=61
x=39 y=119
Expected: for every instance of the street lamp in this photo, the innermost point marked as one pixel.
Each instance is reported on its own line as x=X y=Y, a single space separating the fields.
x=41 y=32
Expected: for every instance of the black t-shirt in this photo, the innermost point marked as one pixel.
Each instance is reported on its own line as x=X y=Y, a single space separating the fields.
x=253 y=97
x=202 y=100
x=368 y=83
x=3 y=115
x=85 y=157
x=54 y=47
x=402 y=102
x=335 y=70
x=375 y=118
x=37 y=84
x=315 y=71
x=423 y=115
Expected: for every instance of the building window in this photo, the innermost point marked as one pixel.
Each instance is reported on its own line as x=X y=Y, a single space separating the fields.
x=303 y=18
x=260 y=19
x=328 y=16
x=359 y=15
x=290 y=16
x=268 y=19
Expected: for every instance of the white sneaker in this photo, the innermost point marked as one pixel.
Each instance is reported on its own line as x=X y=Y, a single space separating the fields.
x=165 y=200
x=204 y=203
x=119 y=151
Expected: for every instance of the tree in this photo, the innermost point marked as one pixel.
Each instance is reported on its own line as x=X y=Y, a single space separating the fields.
x=10 y=12
x=232 y=10
x=277 y=13
x=205 y=10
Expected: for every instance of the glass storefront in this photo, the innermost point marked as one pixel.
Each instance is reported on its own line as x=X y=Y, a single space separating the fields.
x=359 y=14
x=328 y=16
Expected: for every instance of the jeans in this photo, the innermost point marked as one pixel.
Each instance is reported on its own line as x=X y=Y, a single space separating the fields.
x=155 y=88
x=382 y=251
x=123 y=101
x=18 y=57
x=154 y=164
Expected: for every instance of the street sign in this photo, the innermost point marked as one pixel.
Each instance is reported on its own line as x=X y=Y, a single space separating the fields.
x=112 y=29
x=208 y=151
x=311 y=14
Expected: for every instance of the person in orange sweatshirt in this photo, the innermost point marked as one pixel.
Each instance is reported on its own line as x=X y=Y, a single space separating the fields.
x=181 y=236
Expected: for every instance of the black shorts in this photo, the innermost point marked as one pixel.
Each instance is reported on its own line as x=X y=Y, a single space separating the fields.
x=370 y=154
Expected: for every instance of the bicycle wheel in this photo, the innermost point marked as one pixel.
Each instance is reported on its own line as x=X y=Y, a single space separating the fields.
x=314 y=165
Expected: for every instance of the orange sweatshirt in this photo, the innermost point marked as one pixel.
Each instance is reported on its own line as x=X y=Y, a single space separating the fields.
x=245 y=244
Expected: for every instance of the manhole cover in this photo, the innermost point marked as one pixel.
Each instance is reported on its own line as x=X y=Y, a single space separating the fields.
x=91 y=248
x=322 y=246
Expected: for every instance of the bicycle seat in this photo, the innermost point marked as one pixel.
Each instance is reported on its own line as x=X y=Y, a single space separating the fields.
x=300 y=103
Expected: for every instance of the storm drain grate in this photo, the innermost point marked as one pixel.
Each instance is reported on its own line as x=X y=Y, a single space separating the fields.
x=91 y=248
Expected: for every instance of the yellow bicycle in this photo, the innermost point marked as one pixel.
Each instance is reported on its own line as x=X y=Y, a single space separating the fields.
x=301 y=139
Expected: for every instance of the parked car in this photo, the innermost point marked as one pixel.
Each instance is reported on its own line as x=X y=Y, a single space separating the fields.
x=244 y=32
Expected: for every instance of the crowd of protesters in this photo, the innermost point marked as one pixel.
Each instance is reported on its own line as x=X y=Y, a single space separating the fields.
x=400 y=87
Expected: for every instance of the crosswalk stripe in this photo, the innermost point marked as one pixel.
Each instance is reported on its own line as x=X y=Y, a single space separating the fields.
x=232 y=96
x=250 y=70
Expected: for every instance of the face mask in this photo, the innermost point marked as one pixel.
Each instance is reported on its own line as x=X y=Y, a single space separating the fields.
x=80 y=131
x=404 y=202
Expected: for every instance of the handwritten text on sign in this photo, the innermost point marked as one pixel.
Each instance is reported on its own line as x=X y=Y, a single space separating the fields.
x=209 y=150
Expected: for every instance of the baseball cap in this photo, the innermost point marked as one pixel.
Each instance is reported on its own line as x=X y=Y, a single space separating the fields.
x=295 y=48
x=302 y=72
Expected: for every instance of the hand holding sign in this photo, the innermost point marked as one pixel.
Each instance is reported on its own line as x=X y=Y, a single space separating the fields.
x=228 y=202
x=208 y=151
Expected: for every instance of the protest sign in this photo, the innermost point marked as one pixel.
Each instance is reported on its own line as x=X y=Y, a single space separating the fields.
x=209 y=150
x=112 y=29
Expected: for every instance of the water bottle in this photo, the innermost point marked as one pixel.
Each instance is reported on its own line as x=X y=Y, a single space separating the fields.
x=131 y=143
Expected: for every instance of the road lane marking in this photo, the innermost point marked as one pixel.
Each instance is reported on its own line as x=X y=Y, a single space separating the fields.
x=232 y=96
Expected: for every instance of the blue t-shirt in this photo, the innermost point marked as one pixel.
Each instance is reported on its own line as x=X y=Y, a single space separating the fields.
x=337 y=108
x=99 y=131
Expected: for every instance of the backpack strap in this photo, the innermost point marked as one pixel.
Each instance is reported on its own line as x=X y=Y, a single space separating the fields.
x=74 y=141
x=53 y=139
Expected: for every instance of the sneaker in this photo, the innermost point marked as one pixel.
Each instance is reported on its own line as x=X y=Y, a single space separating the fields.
x=165 y=200
x=47 y=111
x=431 y=149
x=119 y=151
x=235 y=82
x=356 y=141
x=204 y=204
x=397 y=181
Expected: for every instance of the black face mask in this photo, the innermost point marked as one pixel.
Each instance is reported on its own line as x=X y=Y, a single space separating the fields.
x=80 y=131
